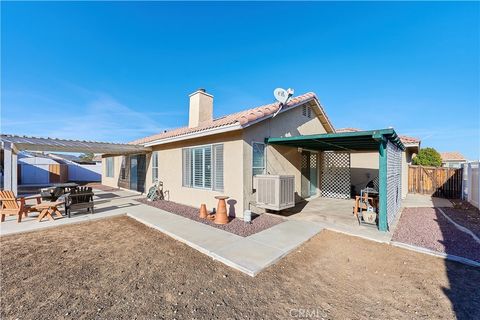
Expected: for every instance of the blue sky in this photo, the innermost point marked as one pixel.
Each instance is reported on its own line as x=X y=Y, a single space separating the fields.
x=117 y=71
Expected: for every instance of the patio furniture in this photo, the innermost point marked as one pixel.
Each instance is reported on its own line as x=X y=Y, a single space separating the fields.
x=49 y=208
x=221 y=216
x=368 y=201
x=12 y=205
x=79 y=198
x=57 y=190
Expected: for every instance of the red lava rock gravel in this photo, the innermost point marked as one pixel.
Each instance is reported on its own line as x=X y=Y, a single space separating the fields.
x=235 y=226
x=428 y=228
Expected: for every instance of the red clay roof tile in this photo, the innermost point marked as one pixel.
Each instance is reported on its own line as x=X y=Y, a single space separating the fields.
x=243 y=118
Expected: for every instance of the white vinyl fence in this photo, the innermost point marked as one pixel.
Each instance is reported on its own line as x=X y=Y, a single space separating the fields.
x=471 y=190
x=85 y=172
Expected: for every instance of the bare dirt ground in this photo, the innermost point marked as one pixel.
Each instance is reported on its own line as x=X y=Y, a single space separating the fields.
x=120 y=269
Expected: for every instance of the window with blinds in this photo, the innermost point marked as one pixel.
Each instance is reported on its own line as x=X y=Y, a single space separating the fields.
x=202 y=167
x=154 y=166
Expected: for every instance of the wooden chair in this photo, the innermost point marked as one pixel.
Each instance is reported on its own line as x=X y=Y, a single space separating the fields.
x=12 y=205
x=79 y=198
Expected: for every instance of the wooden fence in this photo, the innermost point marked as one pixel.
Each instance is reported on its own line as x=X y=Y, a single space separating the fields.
x=58 y=173
x=438 y=182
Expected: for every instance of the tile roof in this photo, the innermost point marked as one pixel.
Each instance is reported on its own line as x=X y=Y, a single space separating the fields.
x=408 y=140
x=452 y=156
x=347 y=130
x=242 y=118
x=404 y=139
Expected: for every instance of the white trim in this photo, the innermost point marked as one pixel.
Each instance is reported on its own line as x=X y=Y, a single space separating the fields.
x=196 y=134
x=202 y=92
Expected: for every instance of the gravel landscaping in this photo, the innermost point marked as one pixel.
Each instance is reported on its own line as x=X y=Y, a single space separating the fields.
x=235 y=226
x=118 y=268
x=428 y=228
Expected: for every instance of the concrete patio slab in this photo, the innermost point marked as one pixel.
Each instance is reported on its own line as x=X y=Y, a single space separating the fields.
x=425 y=201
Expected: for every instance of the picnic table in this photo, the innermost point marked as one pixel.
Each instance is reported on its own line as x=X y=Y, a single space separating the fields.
x=48 y=209
x=58 y=189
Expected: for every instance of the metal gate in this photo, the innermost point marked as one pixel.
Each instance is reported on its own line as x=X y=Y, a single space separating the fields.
x=335 y=175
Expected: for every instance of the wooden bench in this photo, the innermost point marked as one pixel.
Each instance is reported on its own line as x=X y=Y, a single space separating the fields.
x=79 y=199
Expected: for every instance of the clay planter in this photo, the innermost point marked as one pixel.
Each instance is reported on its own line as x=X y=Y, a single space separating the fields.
x=203 y=211
x=221 y=214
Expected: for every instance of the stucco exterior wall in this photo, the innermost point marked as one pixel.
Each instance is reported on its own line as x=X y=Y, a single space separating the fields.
x=364 y=167
x=111 y=181
x=170 y=173
x=279 y=159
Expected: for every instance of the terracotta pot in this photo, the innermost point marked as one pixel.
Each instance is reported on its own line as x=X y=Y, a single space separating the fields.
x=221 y=216
x=203 y=211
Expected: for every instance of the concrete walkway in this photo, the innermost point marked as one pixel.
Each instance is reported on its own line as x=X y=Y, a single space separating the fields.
x=249 y=255
x=425 y=201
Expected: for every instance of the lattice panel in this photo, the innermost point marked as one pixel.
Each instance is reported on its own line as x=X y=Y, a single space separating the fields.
x=335 y=178
x=313 y=160
x=394 y=181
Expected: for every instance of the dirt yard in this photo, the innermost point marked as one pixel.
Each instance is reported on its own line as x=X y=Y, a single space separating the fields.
x=121 y=269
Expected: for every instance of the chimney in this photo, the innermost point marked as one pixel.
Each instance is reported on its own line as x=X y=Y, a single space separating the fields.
x=201 y=108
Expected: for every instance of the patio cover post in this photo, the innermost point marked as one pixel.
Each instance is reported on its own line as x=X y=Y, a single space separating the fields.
x=382 y=177
x=9 y=167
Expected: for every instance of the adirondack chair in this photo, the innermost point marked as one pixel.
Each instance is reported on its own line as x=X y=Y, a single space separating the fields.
x=79 y=198
x=14 y=206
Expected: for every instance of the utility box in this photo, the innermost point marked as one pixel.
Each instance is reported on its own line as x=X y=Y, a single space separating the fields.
x=275 y=192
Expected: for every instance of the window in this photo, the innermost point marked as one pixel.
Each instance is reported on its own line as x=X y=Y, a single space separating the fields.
x=123 y=170
x=110 y=165
x=154 y=166
x=258 y=158
x=202 y=167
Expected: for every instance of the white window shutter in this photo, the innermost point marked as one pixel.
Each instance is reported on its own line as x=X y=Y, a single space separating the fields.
x=186 y=167
x=218 y=167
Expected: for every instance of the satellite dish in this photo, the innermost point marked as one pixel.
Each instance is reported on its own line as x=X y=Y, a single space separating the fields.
x=282 y=96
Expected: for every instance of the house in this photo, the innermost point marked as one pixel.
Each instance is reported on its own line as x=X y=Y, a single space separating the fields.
x=211 y=157
x=452 y=159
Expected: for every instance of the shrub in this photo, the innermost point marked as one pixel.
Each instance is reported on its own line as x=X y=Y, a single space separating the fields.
x=428 y=157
